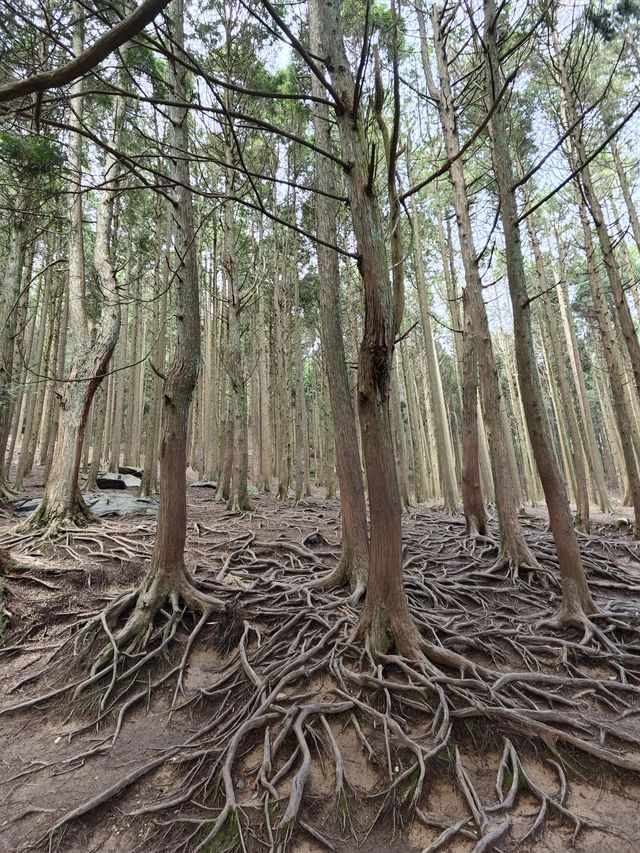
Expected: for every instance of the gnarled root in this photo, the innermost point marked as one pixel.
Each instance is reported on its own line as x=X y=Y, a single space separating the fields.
x=169 y=596
x=50 y=524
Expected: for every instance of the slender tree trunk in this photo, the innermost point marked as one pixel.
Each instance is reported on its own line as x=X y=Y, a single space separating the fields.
x=514 y=550
x=593 y=454
x=62 y=502
x=167 y=578
x=626 y=193
x=582 y=493
x=415 y=426
x=474 y=511
x=443 y=439
x=608 y=339
x=585 y=183
x=576 y=598
x=385 y=621
x=9 y=298
x=266 y=465
x=239 y=497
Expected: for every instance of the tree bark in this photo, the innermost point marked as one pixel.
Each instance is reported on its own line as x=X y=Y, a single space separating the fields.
x=167 y=578
x=585 y=183
x=385 y=621
x=582 y=493
x=473 y=504
x=577 y=603
x=514 y=550
x=62 y=502
x=608 y=339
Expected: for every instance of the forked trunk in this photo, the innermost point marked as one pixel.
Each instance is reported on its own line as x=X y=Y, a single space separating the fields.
x=385 y=621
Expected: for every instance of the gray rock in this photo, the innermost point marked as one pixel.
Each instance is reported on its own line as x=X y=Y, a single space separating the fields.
x=122 y=505
x=102 y=505
x=26 y=506
x=131 y=469
x=118 y=481
x=204 y=484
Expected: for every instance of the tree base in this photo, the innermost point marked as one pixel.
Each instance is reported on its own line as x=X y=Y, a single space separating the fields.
x=240 y=505
x=143 y=637
x=51 y=519
x=383 y=632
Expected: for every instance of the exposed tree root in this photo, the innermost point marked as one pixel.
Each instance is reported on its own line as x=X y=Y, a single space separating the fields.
x=275 y=718
x=49 y=526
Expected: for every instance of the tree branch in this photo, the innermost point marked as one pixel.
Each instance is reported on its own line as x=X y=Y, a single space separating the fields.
x=89 y=58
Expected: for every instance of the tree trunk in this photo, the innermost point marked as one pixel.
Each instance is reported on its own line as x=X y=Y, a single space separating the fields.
x=10 y=296
x=266 y=465
x=576 y=598
x=613 y=359
x=473 y=505
x=441 y=424
x=592 y=202
x=238 y=498
x=415 y=427
x=167 y=578
x=582 y=493
x=385 y=621
x=514 y=550
x=62 y=502
x=148 y=484
x=592 y=451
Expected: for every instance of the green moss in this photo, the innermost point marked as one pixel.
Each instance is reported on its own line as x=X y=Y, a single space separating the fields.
x=228 y=836
x=4 y=616
x=507 y=780
x=409 y=786
x=343 y=803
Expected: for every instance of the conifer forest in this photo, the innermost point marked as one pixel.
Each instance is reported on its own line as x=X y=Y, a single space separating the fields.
x=320 y=426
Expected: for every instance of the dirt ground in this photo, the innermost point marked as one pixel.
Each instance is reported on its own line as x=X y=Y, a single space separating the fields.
x=46 y=772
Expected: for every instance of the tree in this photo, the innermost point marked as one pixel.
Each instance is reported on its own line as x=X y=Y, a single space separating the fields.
x=514 y=550
x=62 y=504
x=577 y=604
x=385 y=621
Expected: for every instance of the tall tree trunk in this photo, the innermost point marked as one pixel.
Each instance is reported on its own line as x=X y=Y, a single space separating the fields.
x=474 y=511
x=592 y=450
x=585 y=183
x=608 y=339
x=441 y=424
x=148 y=484
x=9 y=299
x=514 y=550
x=62 y=502
x=385 y=621
x=582 y=493
x=167 y=578
x=239 y=496
x=266 y=465
x=577 y=603
x=415 y=427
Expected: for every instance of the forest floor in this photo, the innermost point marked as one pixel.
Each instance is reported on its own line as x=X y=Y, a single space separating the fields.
x=367 y=755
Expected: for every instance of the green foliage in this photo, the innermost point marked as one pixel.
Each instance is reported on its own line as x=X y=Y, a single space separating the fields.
x=608 y=19
x=381 y=24
x=30 y=156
